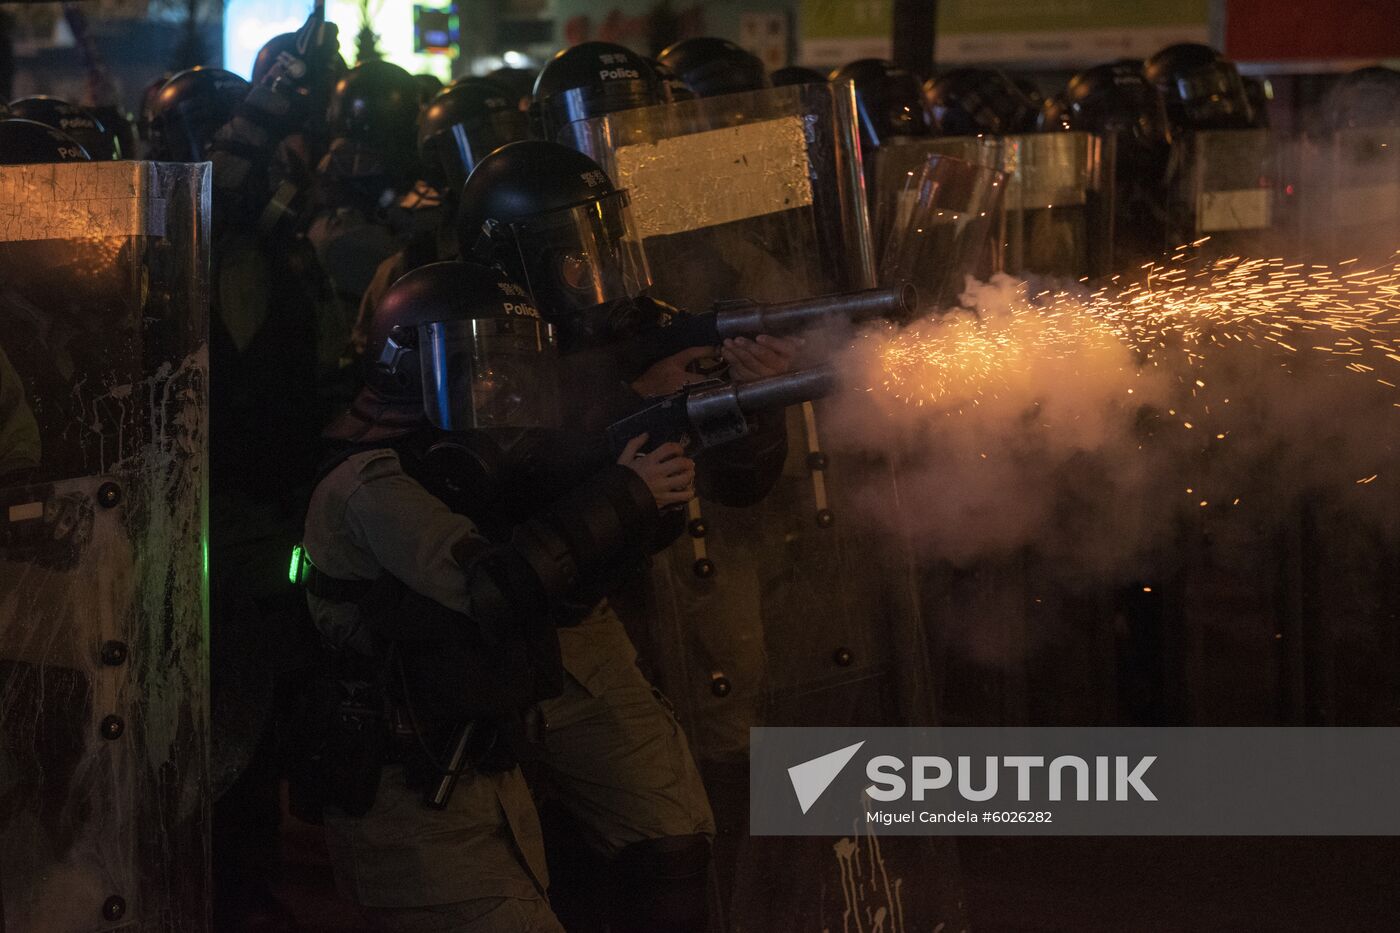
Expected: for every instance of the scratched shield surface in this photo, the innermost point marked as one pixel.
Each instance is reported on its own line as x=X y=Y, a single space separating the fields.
x=1224 y=190
x=789 y=612
x=103 y=655
x=937 y=217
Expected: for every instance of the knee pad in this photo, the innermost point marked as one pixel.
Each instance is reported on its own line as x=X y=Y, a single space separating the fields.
x=660 y=884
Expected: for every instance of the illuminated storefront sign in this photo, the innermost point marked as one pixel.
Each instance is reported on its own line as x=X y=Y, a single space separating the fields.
x=419 y=36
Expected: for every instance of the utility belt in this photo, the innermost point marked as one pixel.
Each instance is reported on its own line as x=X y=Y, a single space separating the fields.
x=346 y=728
x=441 y=709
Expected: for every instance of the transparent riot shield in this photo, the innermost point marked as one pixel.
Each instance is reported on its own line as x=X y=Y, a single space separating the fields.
x=755 y=195
x=787 y=612
x=935 y=225
x=1349 y=188
x=103 y=656
x=1223 y=192
x=1055 y=203
x=894 y=163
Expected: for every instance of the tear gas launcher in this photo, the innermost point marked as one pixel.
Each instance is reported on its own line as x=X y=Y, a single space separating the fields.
x=745 y=317
x=706 y=414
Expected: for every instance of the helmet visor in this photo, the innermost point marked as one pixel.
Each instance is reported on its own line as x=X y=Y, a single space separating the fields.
x=1213 y=94
x=583 y=256
x=489 y=373
x=469 y=142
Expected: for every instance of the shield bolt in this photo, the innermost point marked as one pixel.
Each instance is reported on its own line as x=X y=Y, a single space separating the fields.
x=109 y=495
x=114 y=653
x=114 y=907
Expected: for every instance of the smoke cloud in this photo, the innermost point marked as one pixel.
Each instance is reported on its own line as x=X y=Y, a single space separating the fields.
x=1092 y=432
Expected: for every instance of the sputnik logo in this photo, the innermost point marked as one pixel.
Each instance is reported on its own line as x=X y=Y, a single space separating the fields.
x=810 y=779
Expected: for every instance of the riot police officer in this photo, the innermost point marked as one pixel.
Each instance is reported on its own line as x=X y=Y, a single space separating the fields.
x=551 y=217
x=971 y=101
x=711 y=66
x=183 y=117
x=889 y=102
x=519 y=81
x=889 y=108
x=589 y=80
x=472 y=117
x=1202 y=89
x=367 y=199
x=1117 y=102
x=100 y=143
x=432 y=498
x=555 y=219
x=264 y=156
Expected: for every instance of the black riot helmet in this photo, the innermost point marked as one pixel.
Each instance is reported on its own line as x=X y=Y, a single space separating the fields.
x=972 y=101
x=373 y=122
x=1111 y=99
x=428 y=87
x=711 y=66
x=676 y=89
x=25 y=142
x=375 y=103
x=72 y=120
x=186 y=113
x=519 y=81
x=889 y=100
x=472 y=117
x=796 y=74
x=553 y=220
x=1202 y=90
x=458 y=345
x=1368 y=98
x=592 y=79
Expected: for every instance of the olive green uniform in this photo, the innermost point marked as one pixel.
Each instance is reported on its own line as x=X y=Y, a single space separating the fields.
x=611 y=748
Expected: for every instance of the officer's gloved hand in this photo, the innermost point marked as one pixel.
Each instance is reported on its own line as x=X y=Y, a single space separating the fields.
x=298 y=81
x=760 y=357
x=667 y=471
